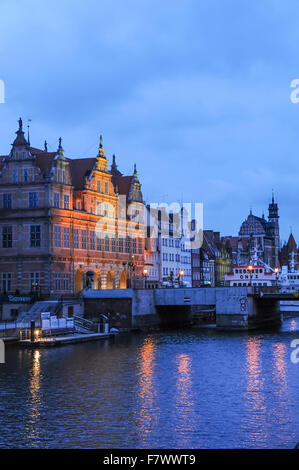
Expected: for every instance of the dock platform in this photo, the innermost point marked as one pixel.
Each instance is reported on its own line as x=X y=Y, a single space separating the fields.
x=63 y=340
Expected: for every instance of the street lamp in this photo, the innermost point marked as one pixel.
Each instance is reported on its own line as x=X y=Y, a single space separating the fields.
x=145 y=272
x=250 y=270
x=181 y=273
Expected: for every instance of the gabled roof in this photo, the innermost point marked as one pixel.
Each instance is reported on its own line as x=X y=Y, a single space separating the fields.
x=80 y=168
x=291 y=245
x=122 y=184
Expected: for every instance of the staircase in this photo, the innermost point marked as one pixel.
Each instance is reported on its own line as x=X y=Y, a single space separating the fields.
x=51 y=306
x=84 y=326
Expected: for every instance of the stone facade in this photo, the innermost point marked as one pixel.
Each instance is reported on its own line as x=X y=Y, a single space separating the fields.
x=61 y=217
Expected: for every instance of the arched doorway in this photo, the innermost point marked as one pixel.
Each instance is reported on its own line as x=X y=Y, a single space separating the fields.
x=110 y=280
x=123 y=280
x=79 y=278
x=97 y=280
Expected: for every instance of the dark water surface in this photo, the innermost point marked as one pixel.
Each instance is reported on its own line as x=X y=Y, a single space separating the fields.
x=187 y=389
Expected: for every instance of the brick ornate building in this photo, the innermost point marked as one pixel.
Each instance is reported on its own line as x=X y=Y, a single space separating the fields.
x=62 y=217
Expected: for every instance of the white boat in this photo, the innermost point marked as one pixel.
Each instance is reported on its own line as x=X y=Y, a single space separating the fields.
x=257 y=273
x=252 y=275
x=289 y=282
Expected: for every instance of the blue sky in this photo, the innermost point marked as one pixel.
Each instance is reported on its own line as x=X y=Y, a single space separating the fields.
x=197 y=93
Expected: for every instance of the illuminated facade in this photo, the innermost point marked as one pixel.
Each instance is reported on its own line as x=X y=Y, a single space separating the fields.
x=62 y=217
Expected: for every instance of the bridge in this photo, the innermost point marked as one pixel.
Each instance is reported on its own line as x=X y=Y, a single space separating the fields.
x=235 y=308
x=273 y=292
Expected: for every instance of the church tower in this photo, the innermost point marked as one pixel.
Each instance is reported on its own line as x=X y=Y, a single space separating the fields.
x=274 y=224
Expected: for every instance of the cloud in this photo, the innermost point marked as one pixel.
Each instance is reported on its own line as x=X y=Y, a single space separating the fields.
x=196 y=93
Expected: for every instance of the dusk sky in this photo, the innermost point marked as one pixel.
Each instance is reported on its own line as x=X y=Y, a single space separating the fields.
x=196 y=93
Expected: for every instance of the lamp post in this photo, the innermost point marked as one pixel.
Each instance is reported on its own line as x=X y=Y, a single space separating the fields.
x=181 y=274
x=250 y=270
x=145 y=272
x=276 y=270
x=131 y=268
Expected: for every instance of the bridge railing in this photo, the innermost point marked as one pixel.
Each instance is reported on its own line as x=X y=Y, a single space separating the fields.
x=258 y=290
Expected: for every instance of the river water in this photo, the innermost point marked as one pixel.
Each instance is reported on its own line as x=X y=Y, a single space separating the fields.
x=186 y=389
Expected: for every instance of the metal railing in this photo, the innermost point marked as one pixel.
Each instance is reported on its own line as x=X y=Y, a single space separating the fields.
x=86 y=324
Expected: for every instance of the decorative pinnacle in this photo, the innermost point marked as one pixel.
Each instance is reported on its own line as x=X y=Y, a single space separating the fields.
x=60 y=150
x=46 y=146
x=20 y=125
x=101 y=148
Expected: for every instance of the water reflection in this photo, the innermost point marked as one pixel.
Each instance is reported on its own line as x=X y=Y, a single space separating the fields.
x=255 y=406
x=34 y=401
x=184 y=402
x=293 y=325
x=283 y=402
x=147 y=412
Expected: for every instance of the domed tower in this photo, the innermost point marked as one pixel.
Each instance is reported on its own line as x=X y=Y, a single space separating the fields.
x=274 y=228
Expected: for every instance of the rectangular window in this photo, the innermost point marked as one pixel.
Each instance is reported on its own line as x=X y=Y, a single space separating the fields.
x=62 y=281
x=79 y=205
x=99 y=186
x=99 y=208
x=35 y=236
x=121 y=245
x=66 y=200
x=140 y=251
x=106 y=188
x=15 y=176
x=107 y=244
x=83 y=240
x=76 y=238
x=25 y=176
x=6 y=282
x=56 y=200
x=134 y=246
x=33 y=200
x=113 y=244
x=91 y=240
x=34 y=281
x=6 y=201
x=57 y=236
x=66 y=237
x=128 y=245
x=99 y=242
x=7 y=237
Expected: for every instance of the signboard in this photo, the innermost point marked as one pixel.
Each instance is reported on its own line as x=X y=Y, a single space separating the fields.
x=16 y=298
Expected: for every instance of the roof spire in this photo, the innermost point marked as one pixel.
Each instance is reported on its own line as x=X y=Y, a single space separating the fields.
x=101 y=149
x=28 y=127
x=60 y=149
x=114 y=170
x=135 y=174
x=272 y=196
